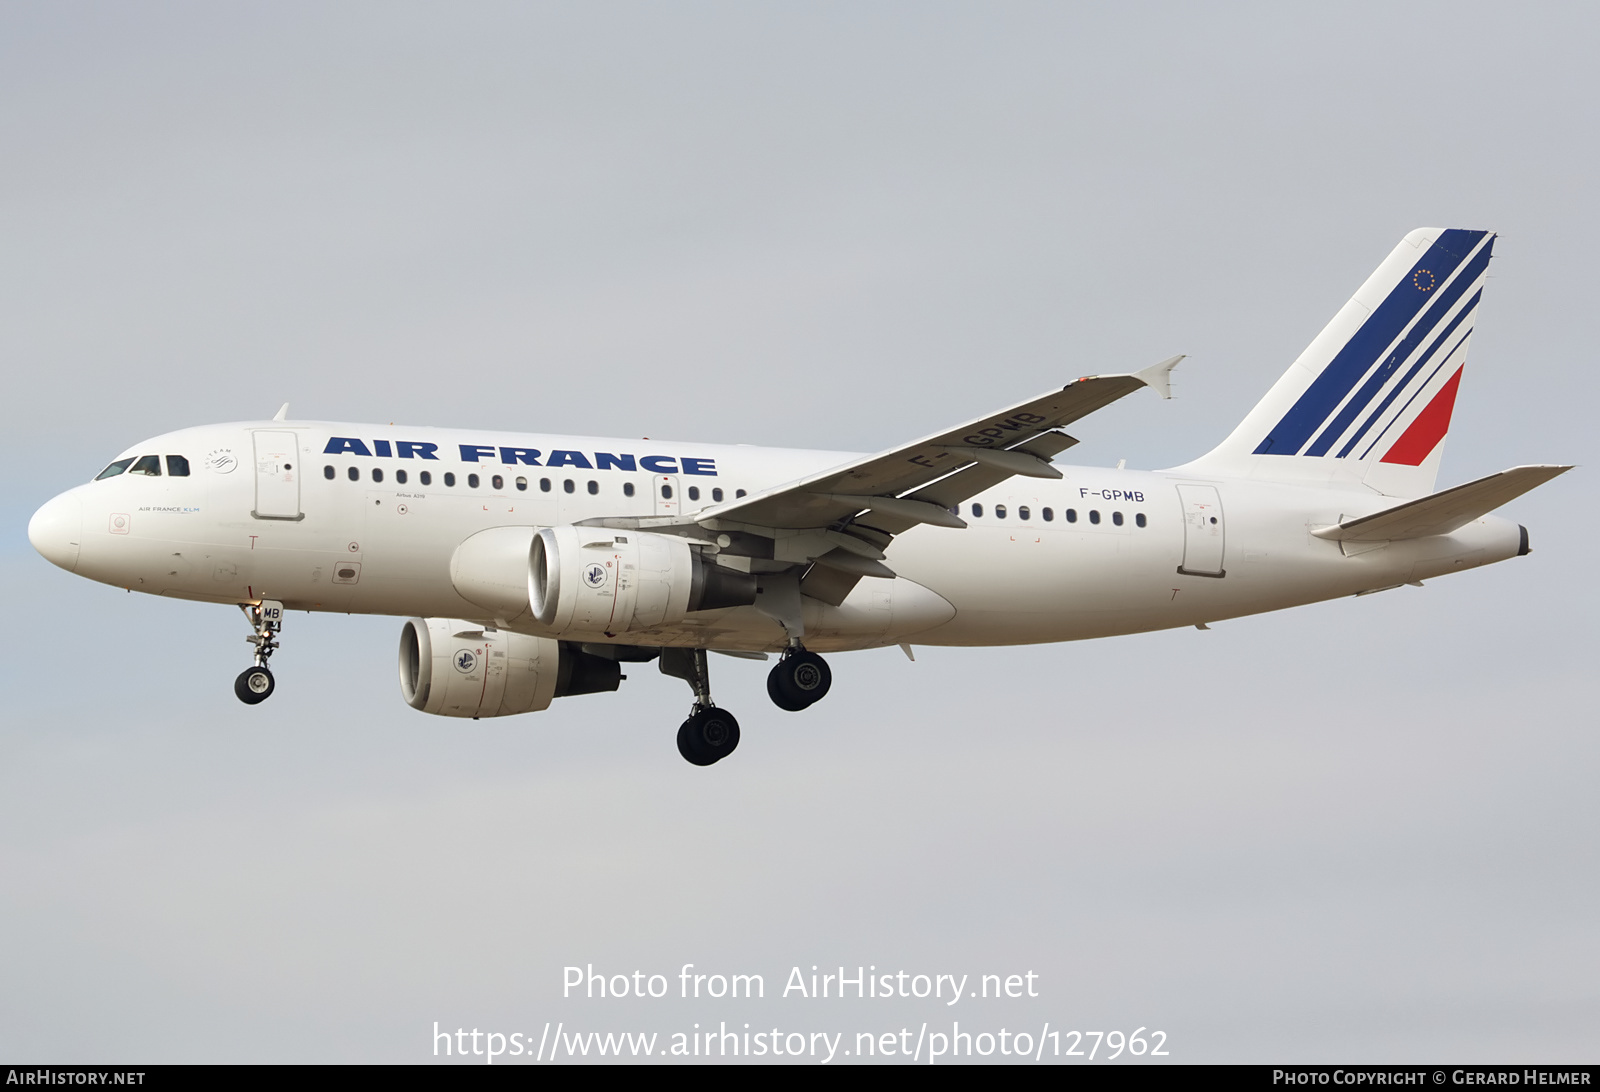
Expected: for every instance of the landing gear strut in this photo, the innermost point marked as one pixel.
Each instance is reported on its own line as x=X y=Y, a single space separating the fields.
x=255 y=684
x=710 y=734
x=799 y=680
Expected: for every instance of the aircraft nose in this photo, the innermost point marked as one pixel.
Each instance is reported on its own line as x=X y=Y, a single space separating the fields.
x=56 y=529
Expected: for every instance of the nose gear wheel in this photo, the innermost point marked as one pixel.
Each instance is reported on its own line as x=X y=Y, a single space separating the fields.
x=255 y=684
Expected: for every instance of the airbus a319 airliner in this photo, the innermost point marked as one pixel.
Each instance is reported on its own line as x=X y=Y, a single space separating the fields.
x=536 y=566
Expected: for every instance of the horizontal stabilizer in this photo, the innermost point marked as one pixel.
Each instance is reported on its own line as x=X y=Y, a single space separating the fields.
x=1444 y=512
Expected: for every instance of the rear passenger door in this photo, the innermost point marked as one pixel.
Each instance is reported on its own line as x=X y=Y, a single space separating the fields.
x=1204 y=533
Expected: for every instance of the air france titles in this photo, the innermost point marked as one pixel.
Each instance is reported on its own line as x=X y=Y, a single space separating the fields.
x=523 y=456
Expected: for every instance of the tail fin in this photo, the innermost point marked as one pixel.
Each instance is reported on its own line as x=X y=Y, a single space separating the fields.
x=1369 y=401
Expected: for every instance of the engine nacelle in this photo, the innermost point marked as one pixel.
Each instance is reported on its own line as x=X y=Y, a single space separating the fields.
x=592 y=582
x=455 y=668
x=603 y=583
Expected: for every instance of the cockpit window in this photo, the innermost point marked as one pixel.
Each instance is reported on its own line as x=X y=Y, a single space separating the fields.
x=177 y=466
x=147 y=464
x=114 y=469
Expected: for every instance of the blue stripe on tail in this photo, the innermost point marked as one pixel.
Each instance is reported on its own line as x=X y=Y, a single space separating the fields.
x=1404 y=302
x=1411 y=374
x=1444 y=299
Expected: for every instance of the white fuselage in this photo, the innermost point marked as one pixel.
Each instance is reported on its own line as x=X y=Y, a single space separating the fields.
x=1097 y=553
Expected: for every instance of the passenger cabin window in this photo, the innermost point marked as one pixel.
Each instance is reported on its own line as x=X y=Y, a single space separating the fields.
x=694 y=492
x=472 y=481
x=594 y=489
x=738 y=493
x=498 y=482
x=627 y=489
x=450 y=478
x=544 y=485
x=1048 y=515
x=177 y=466
x=377 y=473
x=327 y=472
x=425 y=477
x=114 y=469
x=1094 y=515
x=1116 y=517
x=666 y=492
x=999 y=511
x=568 y=487
x=1139 y=519
x=400 y=477
x=1022 y=513
x=1071 y=514
x=716 y=494
x=353 y=474
x=522 y=485
x=148 y=465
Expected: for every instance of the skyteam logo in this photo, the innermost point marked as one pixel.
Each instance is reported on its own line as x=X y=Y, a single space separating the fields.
x=466 y=660
x=1391 y=387
x=595 y=576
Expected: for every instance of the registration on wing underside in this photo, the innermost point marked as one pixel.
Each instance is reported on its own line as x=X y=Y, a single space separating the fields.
x=943 y=469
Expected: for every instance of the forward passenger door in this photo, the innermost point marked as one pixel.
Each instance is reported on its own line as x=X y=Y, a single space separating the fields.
x=277 y=460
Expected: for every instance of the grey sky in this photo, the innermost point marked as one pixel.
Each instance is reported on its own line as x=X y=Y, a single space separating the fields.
x=1361 y=830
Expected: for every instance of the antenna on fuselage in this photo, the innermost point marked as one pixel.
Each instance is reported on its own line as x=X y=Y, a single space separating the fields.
x=282 y=414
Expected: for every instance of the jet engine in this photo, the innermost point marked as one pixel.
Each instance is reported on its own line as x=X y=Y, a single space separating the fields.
x=613 y=583
x=455 y=668
x=592 y=582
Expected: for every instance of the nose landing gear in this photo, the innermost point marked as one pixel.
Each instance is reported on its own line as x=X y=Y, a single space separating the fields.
x=799 y=680
x=255 y=684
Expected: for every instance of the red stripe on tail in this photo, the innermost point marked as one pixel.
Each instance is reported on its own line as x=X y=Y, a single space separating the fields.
x=1418 y=441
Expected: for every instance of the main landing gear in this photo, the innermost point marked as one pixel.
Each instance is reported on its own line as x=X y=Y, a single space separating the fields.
x=799 y=680
x=710 y=734
x=255 y=684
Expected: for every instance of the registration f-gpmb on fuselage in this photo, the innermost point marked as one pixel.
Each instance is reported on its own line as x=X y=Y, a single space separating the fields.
x=533 y=566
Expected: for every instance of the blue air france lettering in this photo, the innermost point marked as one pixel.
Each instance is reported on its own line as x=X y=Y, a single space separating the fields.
x=523 y=456
x=515 y=594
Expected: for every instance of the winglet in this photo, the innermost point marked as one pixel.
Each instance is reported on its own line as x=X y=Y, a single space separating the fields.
x=282 y=414
x=1158 y=377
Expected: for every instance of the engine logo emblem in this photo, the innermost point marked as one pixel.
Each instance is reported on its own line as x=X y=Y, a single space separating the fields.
x=466 y=660
x=595 y=576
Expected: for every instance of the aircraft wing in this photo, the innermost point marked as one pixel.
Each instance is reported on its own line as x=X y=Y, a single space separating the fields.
x=839 y=521
x=921 y=481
